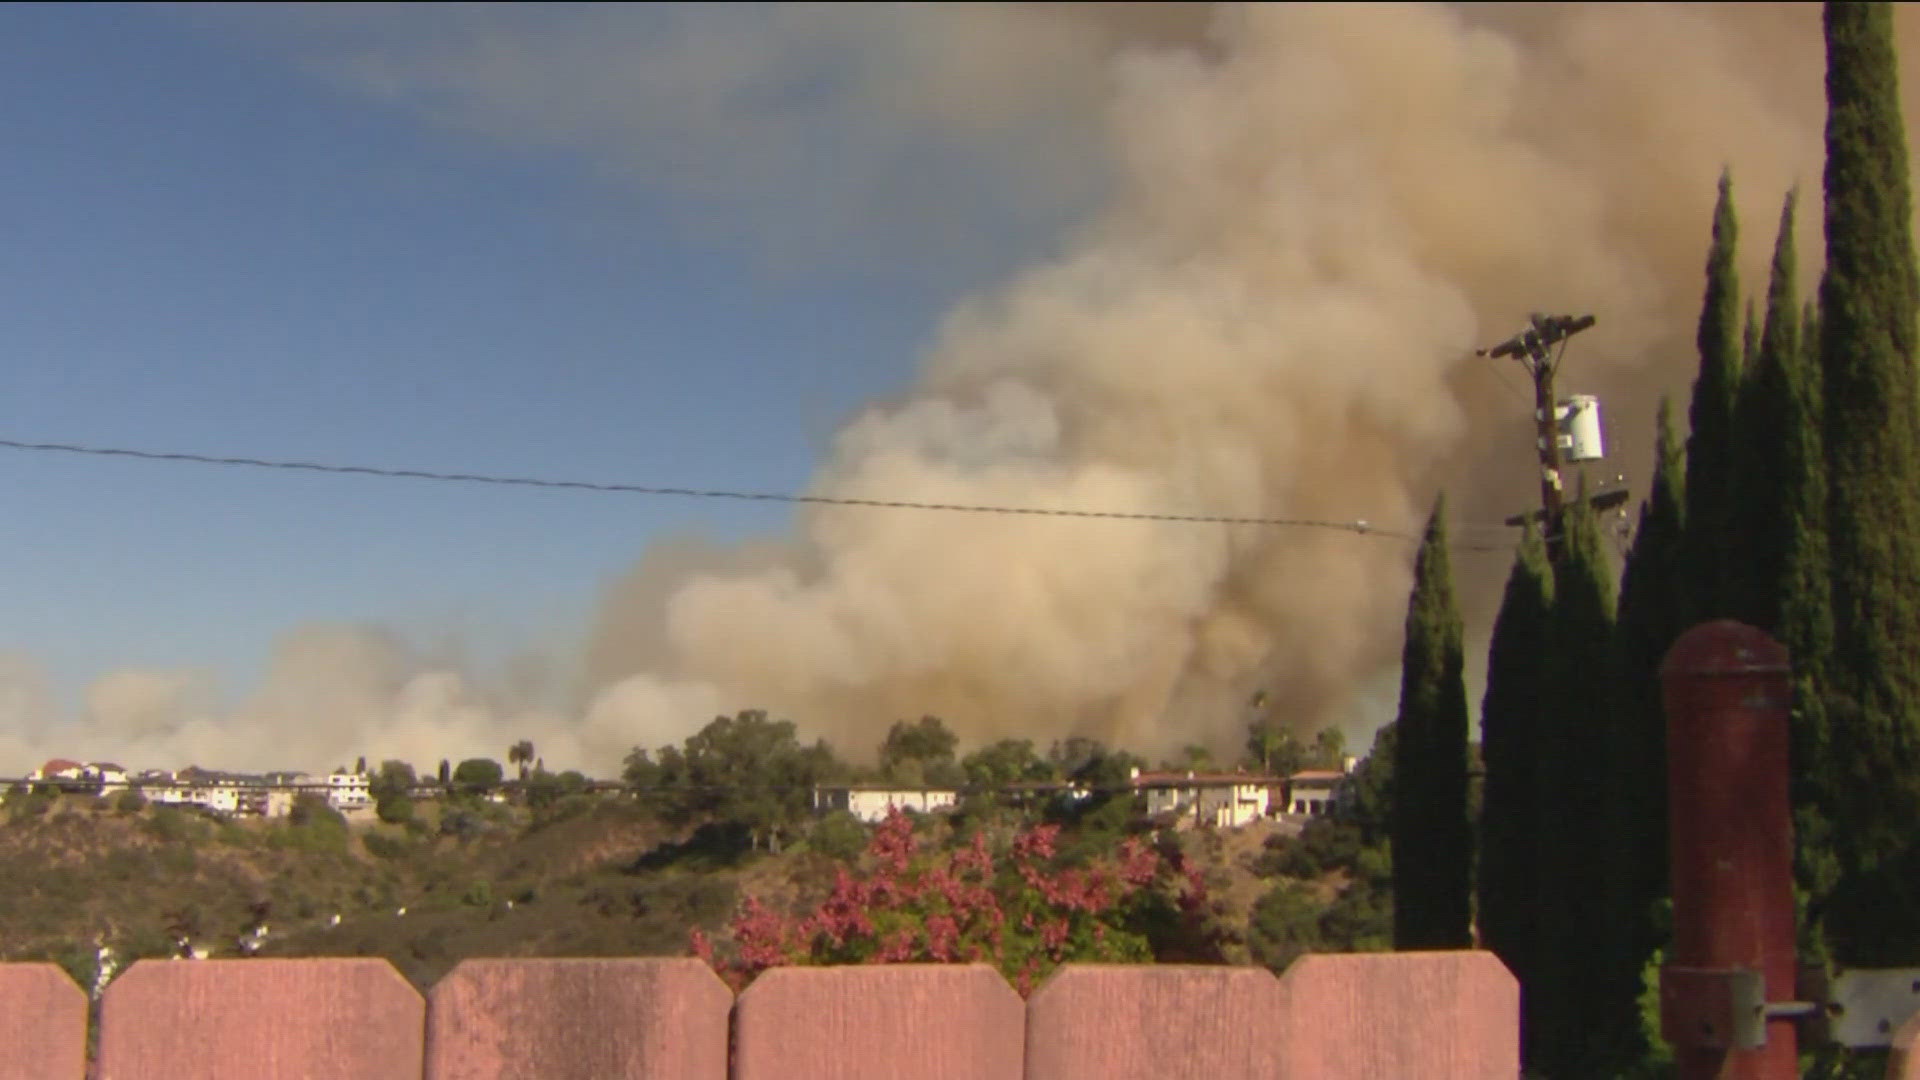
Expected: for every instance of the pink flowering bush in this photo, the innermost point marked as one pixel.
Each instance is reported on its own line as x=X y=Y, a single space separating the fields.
x=1021 y=910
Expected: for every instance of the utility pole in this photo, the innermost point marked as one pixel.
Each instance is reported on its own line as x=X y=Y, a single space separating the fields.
x=1534 y=349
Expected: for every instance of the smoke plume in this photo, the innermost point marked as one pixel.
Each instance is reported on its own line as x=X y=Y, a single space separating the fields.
x=1290 y=226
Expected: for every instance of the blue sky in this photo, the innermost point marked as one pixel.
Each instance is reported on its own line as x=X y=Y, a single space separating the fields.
x=206 y=247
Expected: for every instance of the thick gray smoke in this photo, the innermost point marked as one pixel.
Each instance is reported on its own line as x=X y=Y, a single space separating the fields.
x=1304 y=218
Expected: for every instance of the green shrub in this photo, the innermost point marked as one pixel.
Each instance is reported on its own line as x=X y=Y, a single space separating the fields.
x=395 y=809
x=312 y=826
x=130 y=801
x=386 y=846
x=461 y=823
x=1284 y=924
x=1325 y=844
x=172 y=825
x=571 y=806
x=839 y=836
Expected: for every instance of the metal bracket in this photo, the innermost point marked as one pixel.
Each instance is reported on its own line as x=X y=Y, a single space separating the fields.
x=1726 y=1008
x=1713 y=1008
x=1865 y=1007
x=1721 y=1008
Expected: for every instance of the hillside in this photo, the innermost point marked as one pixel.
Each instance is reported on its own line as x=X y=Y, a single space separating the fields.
x=592 y=876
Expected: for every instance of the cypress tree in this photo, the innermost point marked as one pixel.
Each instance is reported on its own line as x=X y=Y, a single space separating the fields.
x=1805 y=614
x=1651 y=616
x=1518 y=697
x=1806 y=628
x=1749 y=353
x=1574 y=740
x=1710 y=444
x=1432 y=837
x=1870 y=773
x=1770 y=449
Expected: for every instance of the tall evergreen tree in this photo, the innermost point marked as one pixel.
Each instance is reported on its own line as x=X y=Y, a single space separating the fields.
x=1805 y=617
x=1573 y=738
x=1710 y=454
x=1432 y=837
x=1518 y=698
x=1870 y=773
x=1806 y=628
x=1749 y=349
x=1769 y=449
x=1651 y=616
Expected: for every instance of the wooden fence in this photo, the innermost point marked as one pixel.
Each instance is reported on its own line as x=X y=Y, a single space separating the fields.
x=1436 y=1016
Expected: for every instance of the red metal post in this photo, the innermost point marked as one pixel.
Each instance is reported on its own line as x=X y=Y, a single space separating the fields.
x=1727 y=688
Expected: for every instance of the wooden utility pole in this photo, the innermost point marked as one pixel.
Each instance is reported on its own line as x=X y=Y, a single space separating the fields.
x=1552 y=487
x=1534 y=349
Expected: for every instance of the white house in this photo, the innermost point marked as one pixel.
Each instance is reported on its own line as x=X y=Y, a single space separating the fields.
x=164 y=794
x=59 y=769
x=1313 y=792
x=110 y=776
x=1224 y=800
x=221 y=798
x=221 y=792
x=349 y=790
x=261 y=800
x=149 y=778
x=871 y=802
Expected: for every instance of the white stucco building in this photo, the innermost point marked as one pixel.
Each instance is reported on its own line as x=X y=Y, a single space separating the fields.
x=111 y=777
x=1313 y=792
x=871 y=802
x=1223 y=800
x=349 y=790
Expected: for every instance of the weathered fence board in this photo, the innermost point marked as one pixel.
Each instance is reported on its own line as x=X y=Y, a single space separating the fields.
x=1111 y=1022
x=881 y=1022
x=1452 y=1015
x=43 y=1024
x=1442 y=1015
x=578 y=1020
x=263 y=1019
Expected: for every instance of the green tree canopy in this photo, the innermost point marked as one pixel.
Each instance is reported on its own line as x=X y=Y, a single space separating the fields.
x=521 y=754
x=1329 y=749
x=744 y=769
x=393 y=778
x=920 y=753
x=477 y=776
x=1008 y=761
x=1778 y=441
x=1271 y=745
x=1432 y=840
x=1652 y=614
x=1710 y=446
x=1518 y=696
x=1370 y=797
x=1575 y=738
x=1867 y=764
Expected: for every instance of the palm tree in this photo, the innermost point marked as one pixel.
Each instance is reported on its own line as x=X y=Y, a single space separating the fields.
x=521 y=753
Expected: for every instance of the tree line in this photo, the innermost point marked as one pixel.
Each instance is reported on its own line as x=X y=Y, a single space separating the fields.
x=1794 y=506
x=754 y=772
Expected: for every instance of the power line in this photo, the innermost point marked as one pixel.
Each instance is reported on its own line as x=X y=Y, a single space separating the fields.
x=1358 y=527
